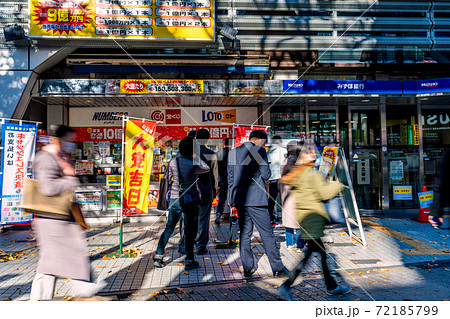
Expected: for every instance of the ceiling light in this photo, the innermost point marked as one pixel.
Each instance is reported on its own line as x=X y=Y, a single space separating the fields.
x=312 y=100
x=365 y=100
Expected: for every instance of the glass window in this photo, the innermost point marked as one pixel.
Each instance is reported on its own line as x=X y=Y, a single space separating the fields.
x=436 y=139
x=403 y=156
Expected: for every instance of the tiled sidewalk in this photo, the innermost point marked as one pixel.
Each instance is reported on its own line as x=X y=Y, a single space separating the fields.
x=218 y=265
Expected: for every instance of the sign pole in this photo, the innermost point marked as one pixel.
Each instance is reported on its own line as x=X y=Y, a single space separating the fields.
x=121 y=187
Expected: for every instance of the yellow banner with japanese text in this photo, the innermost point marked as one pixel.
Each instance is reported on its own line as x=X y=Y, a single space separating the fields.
x=130 y=19
x=139 y=142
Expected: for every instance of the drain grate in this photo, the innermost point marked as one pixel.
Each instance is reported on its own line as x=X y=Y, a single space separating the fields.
x=365 y=261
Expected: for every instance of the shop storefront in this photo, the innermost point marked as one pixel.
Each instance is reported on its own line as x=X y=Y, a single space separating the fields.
x=392 y=135
x=99 y=146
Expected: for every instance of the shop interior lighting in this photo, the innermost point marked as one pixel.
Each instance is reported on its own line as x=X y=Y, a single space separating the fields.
x=365 y=100
x=312 y=100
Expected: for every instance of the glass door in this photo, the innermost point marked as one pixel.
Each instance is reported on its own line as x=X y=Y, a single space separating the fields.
x=365 y=163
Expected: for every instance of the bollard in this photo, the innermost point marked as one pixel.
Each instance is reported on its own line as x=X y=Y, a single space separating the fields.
x=424 y=213
x=446 y=218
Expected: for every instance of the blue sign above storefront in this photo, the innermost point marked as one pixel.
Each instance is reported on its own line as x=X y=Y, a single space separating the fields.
x=426 y=86
x=341 y=87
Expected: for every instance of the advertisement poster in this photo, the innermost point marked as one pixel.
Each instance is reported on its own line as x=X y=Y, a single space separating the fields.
x=153 y=196
x=104 y=149
x=89 y=200
x=138 y=165
x=426 y=199
x=396 y=170
x=113 y=180
x=161 y=86
x=242 y=133
x=328 y=162
x=113 y=199
x=402 y=192
x=17 y=156
x=123 y=19
x=84 y=167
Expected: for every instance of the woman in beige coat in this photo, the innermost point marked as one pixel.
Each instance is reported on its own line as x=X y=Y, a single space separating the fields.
x=289 y=219
x=62 y=242
x=310 y=191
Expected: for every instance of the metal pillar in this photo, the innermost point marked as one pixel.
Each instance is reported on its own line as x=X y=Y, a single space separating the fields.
x=421 y=161
x=384 y=157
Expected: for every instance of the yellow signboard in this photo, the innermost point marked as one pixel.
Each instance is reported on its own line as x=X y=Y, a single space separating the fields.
x=130 y=19
x=161 y=86
x=138 y=165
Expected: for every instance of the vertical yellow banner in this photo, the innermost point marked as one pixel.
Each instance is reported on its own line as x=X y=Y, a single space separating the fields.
x=138 y=165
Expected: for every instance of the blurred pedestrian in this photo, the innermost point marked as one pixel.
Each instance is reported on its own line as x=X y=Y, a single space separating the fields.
x=189 y=166
x=62 y=242
x=289 y=214
x=175 y=215
x=222 y=163
x=248 y=171
x=310 y=191
x=441 y=192
x=276 y=155
x=207 y=184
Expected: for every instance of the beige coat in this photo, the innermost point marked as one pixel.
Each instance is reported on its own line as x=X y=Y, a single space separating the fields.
x=288 y=214
x=62 y=243
x=310 y=191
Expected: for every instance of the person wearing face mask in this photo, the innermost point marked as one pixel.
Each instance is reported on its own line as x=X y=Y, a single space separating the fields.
x=62 y=242
x=310 y=191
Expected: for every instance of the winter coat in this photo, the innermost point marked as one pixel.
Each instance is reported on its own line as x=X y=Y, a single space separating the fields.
x=276 y=155
x=310 y=191
x=288 y=215
x=62 y=243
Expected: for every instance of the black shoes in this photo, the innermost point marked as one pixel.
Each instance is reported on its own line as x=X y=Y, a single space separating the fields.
x=283 y=273
x=192 y=264
x=201 y=251
x=217 y=220
x=248 y=273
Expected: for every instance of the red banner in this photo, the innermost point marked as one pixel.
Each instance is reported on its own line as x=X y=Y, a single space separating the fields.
x=242 y=133
x=108 y=133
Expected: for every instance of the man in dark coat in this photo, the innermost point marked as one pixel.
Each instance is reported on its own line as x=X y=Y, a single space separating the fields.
x=207 y=184
x=222 y=161
x=248 y=171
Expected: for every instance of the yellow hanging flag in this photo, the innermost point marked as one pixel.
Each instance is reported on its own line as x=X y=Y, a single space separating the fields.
x=138 y=165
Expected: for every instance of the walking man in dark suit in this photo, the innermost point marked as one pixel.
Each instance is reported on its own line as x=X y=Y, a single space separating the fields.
x=248 y=171
x=207 y=184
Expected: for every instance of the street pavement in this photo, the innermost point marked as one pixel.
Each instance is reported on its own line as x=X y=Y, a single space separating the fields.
x=403 y=260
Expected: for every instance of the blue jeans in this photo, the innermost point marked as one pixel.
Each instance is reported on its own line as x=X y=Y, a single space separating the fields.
x=175 y=214
x=290 y=238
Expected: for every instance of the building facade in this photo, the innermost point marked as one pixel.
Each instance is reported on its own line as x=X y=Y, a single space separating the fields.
x=371 y=74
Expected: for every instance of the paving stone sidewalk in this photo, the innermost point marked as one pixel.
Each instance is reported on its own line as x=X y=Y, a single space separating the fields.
x=423 y=246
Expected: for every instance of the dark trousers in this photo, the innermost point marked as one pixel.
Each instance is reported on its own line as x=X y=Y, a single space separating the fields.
x=273 y=193
x=190 y=215
x=313 y=246
x=175 y=215
x=204 y=214
x=222 y=206
x=259 y=217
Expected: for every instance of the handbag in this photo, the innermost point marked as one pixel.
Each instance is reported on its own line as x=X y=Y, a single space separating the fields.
x=75 y=208
x=57 y=207
x=191 y=195
x=164 y=191
x=335 y=210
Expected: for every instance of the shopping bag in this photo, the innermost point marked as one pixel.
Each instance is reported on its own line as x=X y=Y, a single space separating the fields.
x=335 y=210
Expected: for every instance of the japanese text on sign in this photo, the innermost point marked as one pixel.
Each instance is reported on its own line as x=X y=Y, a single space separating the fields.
x=189 y=20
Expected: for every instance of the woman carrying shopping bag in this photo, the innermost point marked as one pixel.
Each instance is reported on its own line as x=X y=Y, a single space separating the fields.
x=289 y=215
x=62 y=241
x=310 y=191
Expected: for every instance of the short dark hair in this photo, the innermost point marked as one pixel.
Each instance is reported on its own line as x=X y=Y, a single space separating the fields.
x=188 y=146
x=192 y=133
x=60 y=130
x=261 y=134
x=202 y=134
